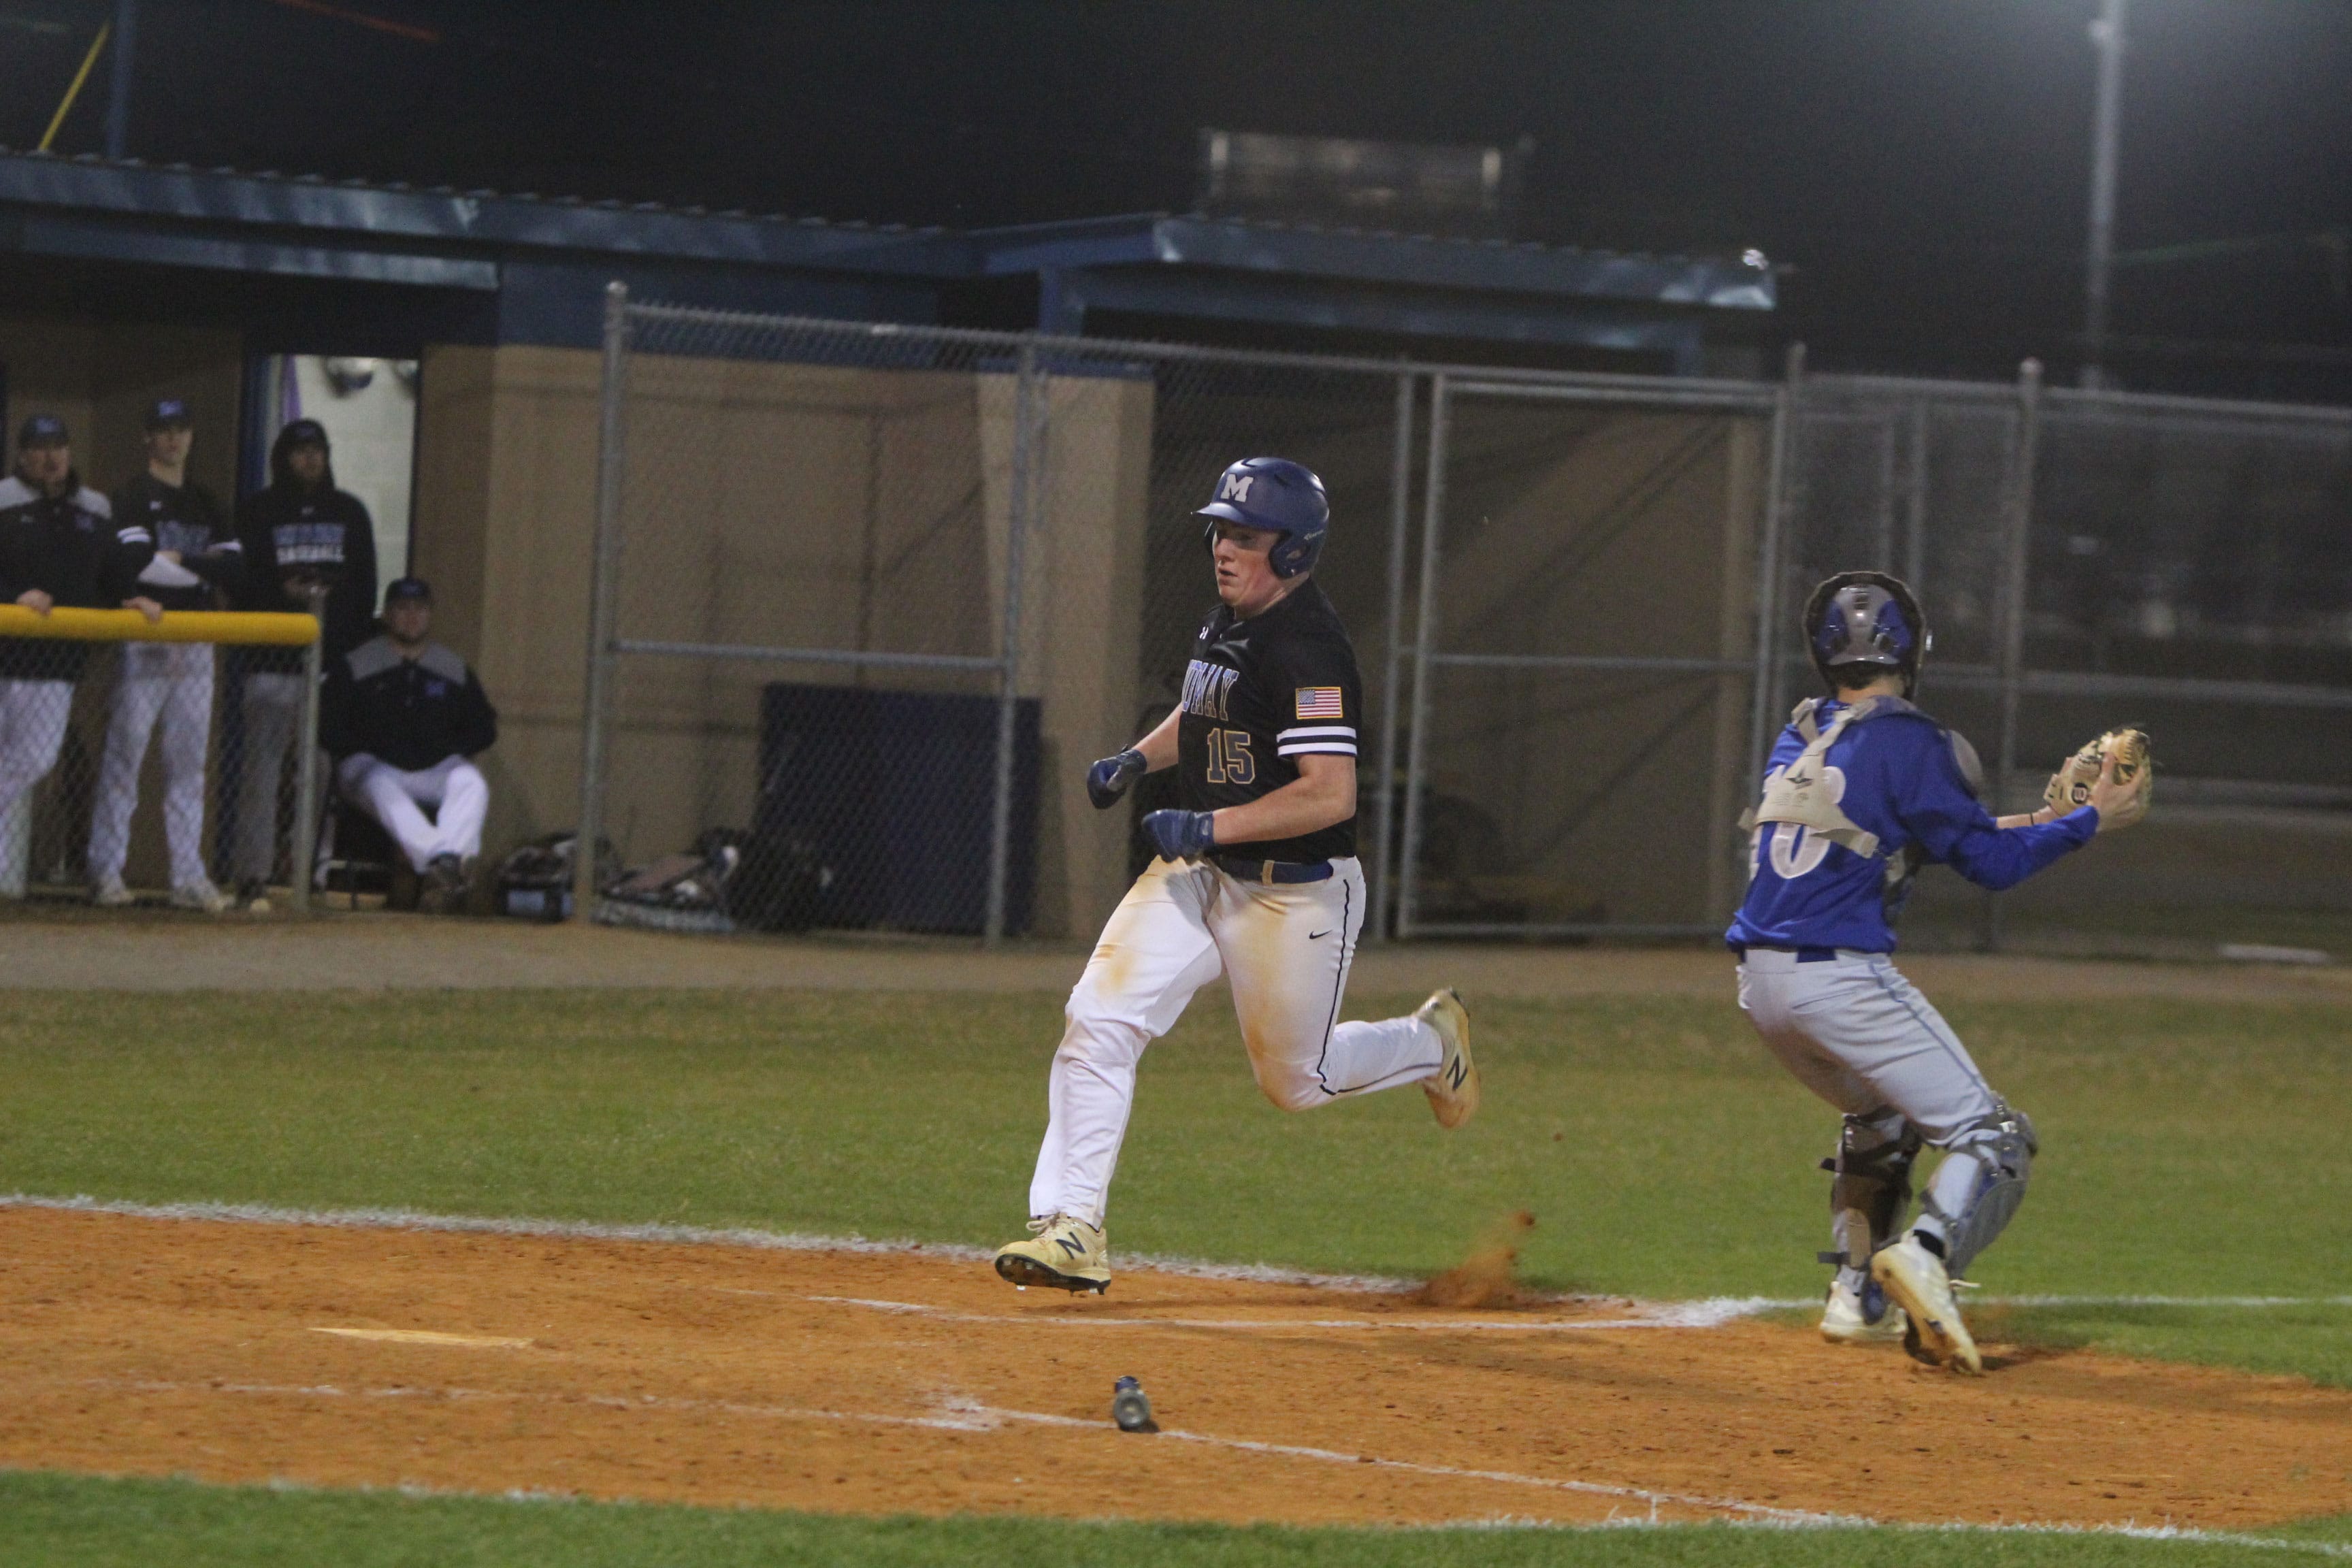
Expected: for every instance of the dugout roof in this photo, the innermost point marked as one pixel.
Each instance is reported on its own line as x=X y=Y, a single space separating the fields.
x=358 y=268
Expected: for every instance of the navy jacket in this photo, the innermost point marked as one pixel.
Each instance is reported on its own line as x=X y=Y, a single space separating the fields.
x=72 y=549
x=410 y=712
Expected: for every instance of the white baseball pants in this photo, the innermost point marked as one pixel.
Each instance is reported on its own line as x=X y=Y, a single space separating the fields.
x=453 y=786
x=1285 y=948
x=33 y=715
x=168 y=685
x=273 y=726
x=1855 y=1032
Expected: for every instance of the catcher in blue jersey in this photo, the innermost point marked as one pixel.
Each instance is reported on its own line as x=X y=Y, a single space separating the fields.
x=1862 y=790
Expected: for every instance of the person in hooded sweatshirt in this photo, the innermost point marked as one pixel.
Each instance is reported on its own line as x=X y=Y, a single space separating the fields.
x=301 y=536
x=60 y=544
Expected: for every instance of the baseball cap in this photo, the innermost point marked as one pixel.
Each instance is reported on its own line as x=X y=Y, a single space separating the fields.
x=303 y=433
x=166 y=411
x=42 y=430
x=408 y=588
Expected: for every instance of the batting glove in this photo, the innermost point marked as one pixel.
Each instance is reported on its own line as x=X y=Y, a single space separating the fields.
x=1108 y=780
x=1181 y=835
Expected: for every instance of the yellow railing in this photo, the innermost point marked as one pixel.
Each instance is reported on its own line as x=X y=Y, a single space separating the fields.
x=253 y=628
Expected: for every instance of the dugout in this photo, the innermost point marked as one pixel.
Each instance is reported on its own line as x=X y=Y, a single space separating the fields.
x=126 y=280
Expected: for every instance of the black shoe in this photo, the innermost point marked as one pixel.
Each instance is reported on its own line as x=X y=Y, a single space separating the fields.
x=251 y=889
x=444 y=884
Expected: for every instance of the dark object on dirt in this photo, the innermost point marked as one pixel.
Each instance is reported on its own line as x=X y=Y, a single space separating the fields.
x=1130 y=1408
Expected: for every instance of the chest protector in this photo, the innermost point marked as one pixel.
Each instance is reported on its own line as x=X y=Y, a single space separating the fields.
x=1808 y=793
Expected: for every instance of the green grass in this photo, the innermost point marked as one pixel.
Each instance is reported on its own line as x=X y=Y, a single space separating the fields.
x=93 y=1523
x=2189 y=1150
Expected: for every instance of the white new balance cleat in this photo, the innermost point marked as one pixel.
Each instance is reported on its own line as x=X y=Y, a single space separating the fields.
x=1453 y=1092
x=1064 y=1254
x=1863 y=1317
x=1914 y=1279
x=112 y=894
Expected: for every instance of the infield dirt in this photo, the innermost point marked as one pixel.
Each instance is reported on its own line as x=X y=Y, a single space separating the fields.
x=897 y=1382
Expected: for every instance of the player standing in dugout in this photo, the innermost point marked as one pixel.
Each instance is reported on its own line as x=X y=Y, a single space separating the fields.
x=1256 y=879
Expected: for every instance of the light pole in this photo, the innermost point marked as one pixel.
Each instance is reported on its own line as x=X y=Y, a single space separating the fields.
x=2107 y=38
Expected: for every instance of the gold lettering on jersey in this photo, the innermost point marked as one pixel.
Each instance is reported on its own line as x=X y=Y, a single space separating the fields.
x=1206 y=687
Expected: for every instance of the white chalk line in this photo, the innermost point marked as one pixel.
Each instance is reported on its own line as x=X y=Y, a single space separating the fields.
x=968 y=1415
x=1669 y=1319
x=1706 y=1312
x=973 y=1416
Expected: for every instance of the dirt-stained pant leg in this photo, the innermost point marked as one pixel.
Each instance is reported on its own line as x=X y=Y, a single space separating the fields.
x=1855 y=1032
x=1154 y=953
x=1288 y=948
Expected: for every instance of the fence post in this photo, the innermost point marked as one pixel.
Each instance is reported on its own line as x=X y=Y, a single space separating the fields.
x=306 y=765
x=1026 y=426
x=596 y=699
x=2020 y=524
x=1424 y=634
x=1376 y=928
x=1779 y=472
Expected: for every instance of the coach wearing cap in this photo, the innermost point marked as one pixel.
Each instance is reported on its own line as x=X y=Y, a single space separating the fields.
x=301 y=536
x=169 y=685
x=59 y=544
x=403 y=718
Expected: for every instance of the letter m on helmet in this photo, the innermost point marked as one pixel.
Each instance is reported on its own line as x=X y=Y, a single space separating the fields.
x=1235 y=486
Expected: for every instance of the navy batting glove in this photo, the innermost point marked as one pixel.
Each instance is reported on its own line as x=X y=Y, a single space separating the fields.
x=1108 y=779
x=1181 y=835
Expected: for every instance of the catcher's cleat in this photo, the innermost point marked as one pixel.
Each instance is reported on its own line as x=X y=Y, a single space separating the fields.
x=1063 y=1253
x=1453 y=1092
x=1863 y=1317
x=1915 y=1280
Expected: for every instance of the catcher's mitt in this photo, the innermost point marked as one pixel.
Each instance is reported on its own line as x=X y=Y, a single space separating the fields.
x=2070 y=786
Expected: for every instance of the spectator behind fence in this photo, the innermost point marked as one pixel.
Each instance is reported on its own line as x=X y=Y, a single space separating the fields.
x=402 y=717
x=59 y=544
x=299 y=535
x=197 y=560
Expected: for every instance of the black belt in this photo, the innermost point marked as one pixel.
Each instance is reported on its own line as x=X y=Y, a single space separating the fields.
x=1273 y=870
x=1804 y=954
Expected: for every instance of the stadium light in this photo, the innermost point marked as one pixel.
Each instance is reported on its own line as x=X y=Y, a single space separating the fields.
x=2107 y=38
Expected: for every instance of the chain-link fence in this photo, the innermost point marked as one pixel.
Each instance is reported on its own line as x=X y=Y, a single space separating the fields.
x=870 y=597
x=2090 y=559
x=145 y=762
x=1582 y=695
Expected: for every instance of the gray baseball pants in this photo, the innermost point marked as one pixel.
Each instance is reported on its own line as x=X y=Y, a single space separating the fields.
x=1860 y=1036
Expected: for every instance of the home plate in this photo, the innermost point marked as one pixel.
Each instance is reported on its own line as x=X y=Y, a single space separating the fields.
x=426 y=1337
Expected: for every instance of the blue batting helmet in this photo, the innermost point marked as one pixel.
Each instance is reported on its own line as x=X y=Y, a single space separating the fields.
x=1866 y=619
x=1277 y=495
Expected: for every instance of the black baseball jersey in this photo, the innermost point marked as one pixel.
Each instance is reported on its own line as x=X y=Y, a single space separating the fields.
x=72 y=548
x=1258 y=695
x=183 y=519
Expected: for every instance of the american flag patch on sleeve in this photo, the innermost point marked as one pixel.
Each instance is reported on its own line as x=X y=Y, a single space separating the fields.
x=1320 y=702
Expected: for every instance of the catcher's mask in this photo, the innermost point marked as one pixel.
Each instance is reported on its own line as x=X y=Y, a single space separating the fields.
x=1866 y=619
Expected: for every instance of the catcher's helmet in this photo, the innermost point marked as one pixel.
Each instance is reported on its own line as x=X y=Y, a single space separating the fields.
x=1278 y=495
x=1866 y=619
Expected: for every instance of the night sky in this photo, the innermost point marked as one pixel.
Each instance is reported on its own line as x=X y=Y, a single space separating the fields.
x=1920 y=165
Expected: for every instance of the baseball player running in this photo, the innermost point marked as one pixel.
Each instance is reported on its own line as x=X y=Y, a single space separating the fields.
x=1256 y=879
x=1861 y=789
